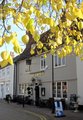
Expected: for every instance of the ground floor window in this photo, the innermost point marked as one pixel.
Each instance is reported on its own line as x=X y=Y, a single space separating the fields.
x=60 y=89
x=7 y=88
x=23 y=87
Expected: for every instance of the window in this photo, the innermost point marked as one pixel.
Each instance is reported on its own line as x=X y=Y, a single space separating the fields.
x=7 y=88
x=60 y=89
x=25 y=88
x=20 y=89
x=42 y=91
x=59 y=61
x=42 y=62
x=64 y=89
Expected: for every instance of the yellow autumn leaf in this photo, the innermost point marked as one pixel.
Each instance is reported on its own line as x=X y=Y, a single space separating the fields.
x=5 y=55
x=32 y=30
x=68 y=40
x=25 y=39
x=32 y=52
x=64 y=52
x=45 y=56
x=77 y=12
x=68 y=23
x=50 y=22
x=8 y=38
x=36 y=36
x=69 y=16
x=32 y=9
x=19 y=50
x=1 y=42
x=30 y=23
x=8 y=27
x=15 y=42
x=68 y=49
x=59 y=53
x=39 y=45
x=3 y=63
x=10 y=60
x=59 y=6
x=80 y=25
x=59 y=40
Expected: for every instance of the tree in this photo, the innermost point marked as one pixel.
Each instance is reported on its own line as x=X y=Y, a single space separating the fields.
x=64 y=19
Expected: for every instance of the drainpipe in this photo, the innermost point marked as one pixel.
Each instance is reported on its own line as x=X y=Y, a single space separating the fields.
x=53 y=109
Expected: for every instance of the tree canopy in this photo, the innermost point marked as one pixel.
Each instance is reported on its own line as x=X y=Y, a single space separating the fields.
x=64 y=19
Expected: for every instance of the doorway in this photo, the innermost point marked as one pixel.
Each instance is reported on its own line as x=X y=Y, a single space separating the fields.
x=37 y=95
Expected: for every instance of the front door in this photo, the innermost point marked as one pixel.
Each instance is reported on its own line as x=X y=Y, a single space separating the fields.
x=37 y=95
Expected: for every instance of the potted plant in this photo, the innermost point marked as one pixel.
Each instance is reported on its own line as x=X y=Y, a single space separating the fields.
x=76 y=103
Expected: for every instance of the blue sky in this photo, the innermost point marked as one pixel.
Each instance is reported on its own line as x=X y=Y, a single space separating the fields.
x=9 y=47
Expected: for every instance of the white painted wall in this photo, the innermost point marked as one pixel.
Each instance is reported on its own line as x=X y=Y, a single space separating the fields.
x=80 y=80
x=6 y=81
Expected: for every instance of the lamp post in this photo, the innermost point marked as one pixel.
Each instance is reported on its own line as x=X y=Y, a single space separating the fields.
x=23 y=91
x=53 y=109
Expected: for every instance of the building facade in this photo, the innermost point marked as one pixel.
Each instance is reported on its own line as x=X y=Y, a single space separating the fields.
x=39 y=74
x=6 y=81
x=48 y=77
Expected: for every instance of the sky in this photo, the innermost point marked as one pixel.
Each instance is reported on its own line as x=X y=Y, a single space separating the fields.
x=9 y=47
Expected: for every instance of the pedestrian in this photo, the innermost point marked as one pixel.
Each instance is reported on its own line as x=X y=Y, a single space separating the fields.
x=8 y=98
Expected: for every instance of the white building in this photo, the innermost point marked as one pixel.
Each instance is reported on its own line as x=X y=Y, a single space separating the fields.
x=6 y=81
x=80 y=80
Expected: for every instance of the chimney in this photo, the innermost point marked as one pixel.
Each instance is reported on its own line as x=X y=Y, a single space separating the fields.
x=12 y=54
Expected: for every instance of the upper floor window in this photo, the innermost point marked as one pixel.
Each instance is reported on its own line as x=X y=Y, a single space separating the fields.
x=42 y=62
x=59 y=61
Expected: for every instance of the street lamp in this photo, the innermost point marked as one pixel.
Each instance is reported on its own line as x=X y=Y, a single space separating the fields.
x=23 y=92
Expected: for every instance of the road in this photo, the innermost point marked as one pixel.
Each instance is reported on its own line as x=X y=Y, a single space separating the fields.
x=14 y=111
x=10 y=112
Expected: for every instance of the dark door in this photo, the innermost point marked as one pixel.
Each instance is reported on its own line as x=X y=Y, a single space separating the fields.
x=37 y=95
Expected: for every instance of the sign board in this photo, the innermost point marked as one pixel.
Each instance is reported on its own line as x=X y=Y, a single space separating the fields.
x=58 y=109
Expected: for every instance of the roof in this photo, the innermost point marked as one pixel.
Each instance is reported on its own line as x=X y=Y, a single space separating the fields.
x=26 y=53
x=16 y=58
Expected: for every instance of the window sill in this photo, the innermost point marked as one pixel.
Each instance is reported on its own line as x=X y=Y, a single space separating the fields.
x=60 y=66
x=44 y=68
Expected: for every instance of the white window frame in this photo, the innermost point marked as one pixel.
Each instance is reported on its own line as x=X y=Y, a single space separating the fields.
x=61 y=89
x=20 y=88
x=57 y=62
x=7 y=87
x=42 y=59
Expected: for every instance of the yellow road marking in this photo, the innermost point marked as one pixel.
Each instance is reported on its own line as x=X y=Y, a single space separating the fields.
x=41 y=117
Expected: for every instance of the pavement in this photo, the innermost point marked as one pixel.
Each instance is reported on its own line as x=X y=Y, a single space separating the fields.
x=69 y=114
x=47 y=113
